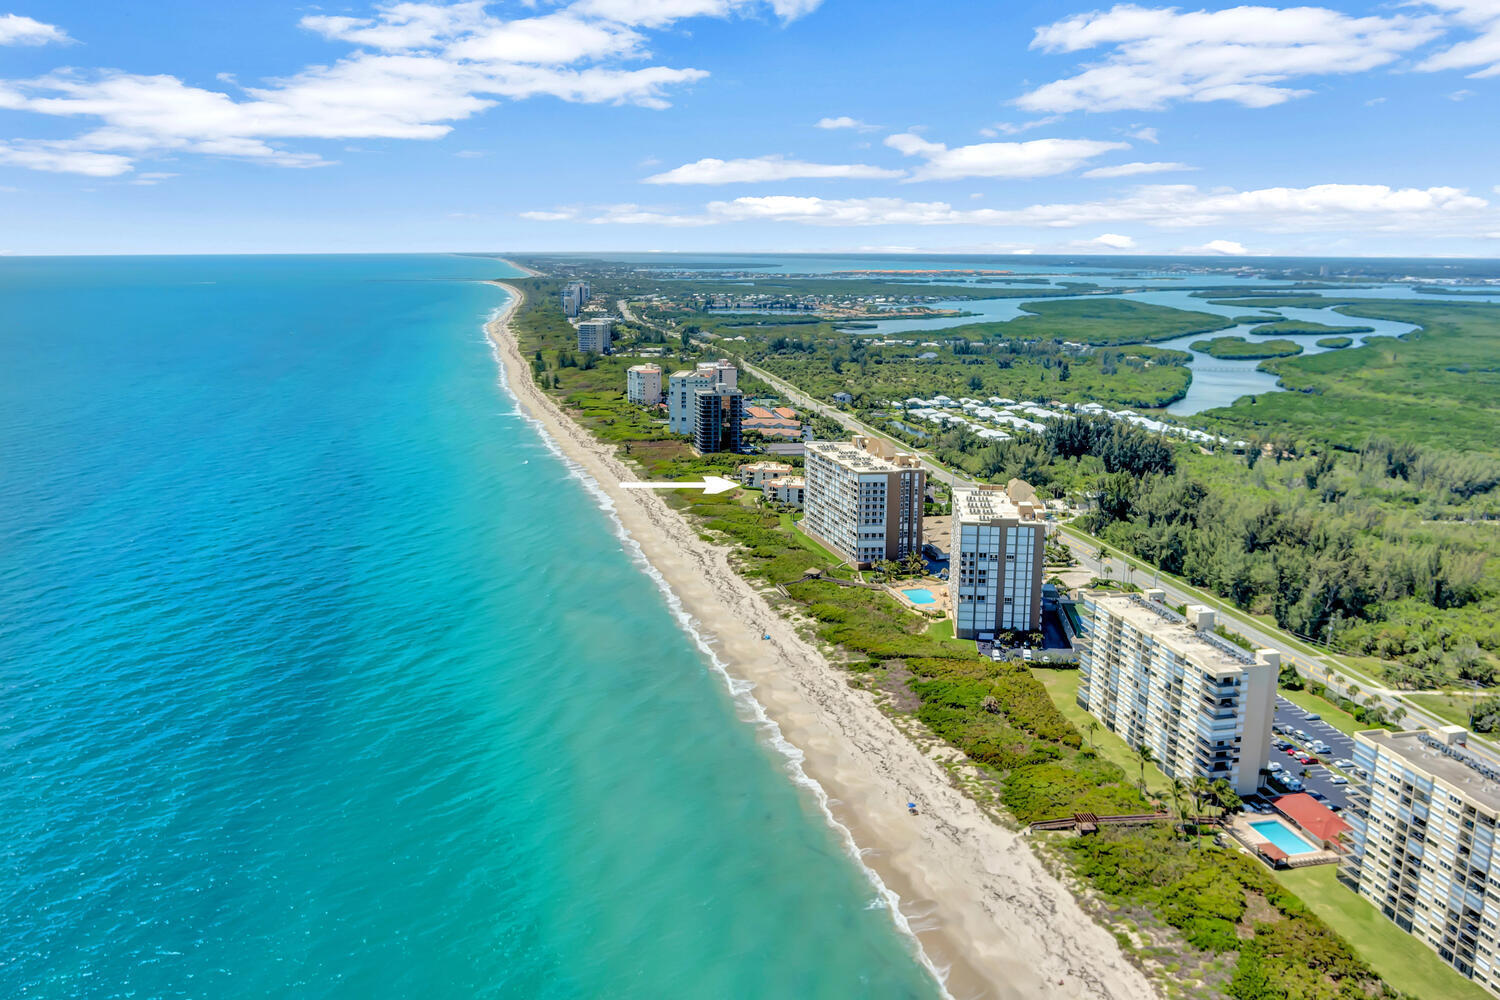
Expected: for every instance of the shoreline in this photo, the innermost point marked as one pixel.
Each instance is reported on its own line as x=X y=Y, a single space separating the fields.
x=987 y=918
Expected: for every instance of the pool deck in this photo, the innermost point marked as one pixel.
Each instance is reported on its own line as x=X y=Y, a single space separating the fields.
x=1255 y=843
x=938 y=588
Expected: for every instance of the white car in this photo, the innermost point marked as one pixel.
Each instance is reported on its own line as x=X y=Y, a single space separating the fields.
x=1344 y=763
x=1339 y=779
x=1273 y=766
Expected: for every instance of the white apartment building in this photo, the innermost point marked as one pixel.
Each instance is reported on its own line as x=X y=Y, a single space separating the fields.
x=1422 y=843
x=791 y=490
x=682 y=385
x=573 y=297
x=757 y=473
x=995 y=568
x=593 y=335
x=1202 y=704
x=643 y=384
x=864 y=499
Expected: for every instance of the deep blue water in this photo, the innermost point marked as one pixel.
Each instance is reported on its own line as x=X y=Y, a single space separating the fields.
x=320 y=676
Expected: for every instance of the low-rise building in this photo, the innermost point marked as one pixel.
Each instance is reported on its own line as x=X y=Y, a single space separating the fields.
x=1423 y=840
x=864 y=499
x=995 y=576
x=1203 y=705
x=718 y=412
x=790 y=490
x=780 y=421
x=756 y=473
x=594 y=335
x=643 y=384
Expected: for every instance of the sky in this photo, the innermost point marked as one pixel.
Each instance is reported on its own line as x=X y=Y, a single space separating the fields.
x=1343 y=129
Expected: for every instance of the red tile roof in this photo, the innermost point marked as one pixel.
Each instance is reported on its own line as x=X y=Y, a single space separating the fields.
x=1271 y=851
x=1312 y=815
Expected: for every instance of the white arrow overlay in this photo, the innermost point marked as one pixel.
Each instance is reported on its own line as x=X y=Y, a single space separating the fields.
x=709 y=485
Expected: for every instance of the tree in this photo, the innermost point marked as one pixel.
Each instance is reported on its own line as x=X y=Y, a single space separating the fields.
x=1093 y=728
x=1225 y=797
x=1179 y=793
x=1145 y=756
x=1201 y=788
x=991 y=704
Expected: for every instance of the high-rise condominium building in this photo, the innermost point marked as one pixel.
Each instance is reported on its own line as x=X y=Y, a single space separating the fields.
x=1422 y=843
x=864 y=499
x=681 y=386
x=716 y=423
x=1202 y=704
x=995 y=571
x=573 y=296
x=593 y=335
x=643 y=384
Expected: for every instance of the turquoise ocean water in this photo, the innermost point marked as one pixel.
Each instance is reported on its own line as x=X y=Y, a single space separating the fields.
x=321 y=676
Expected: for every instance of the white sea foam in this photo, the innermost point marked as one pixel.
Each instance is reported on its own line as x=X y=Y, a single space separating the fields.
x=741 y=691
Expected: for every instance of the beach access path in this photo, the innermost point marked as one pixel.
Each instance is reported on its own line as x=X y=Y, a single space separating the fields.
x=980 y=903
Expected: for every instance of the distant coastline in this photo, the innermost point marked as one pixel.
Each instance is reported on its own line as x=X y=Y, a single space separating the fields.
x=996 y=923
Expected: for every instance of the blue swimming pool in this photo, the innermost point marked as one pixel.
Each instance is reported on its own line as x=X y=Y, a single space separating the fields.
x=1283 y=836
x=919 y=595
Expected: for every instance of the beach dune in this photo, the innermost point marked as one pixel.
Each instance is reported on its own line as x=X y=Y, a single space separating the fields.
x=984 y=910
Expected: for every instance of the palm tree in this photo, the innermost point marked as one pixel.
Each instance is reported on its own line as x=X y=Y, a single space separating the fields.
x=1398 y=713
x=1201 y=788
x=1224 y=797
x=1179 y=793
x=1093 y=728
x=1353 y=690
x=1145 y=756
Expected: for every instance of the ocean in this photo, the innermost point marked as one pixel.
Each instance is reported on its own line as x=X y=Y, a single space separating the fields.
x=322 y=675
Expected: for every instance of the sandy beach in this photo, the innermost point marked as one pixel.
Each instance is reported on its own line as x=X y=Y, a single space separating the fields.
x=984 y=909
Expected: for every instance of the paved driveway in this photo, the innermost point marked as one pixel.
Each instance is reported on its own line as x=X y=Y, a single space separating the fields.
x=1317 y=776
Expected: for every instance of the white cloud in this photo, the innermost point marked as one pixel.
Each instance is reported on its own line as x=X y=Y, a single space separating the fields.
x=558 y=216
x=1318 y=208
x=844 y=121
x=1114 y=240
x=1460 y=95
x=765 y=168
x=58 y=160
x=1158 y=56
x=18 y=30
x=1139 y=167
x=418 y=68
x=1481 y=54
x=1036 y=158
x=1144 y=135
x=1011 y=128
x=150 y=177
x=1227 y=247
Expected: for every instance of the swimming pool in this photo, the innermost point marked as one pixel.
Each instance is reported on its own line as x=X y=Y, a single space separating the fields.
x=1283 y=836
x=919 y=595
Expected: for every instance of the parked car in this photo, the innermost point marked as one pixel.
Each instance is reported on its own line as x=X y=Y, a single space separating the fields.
x=1344 y=762
x=1281 y=744
x=1273 y=766
x=1321 y=747
x=1312 y=717
x=1339 y=779
x=1281 y=728
x=1292 y=751
x=1307 y=759
x=1318 y=795
x=1302 y=735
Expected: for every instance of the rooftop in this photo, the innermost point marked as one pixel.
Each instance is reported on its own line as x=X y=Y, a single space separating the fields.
x=1472 y=772
x=1312 y=815
x=865 y=455
x=1173 y=631
x=980 y=505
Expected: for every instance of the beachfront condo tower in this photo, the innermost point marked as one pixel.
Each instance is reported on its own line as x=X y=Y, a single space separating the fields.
x=718 y=413
x=1202 y=704
x=995 y=572
x=573 y=296
x=864 y=499
x=682 y=385
x=1422 y=842
x=594 y=335
x=643 y=384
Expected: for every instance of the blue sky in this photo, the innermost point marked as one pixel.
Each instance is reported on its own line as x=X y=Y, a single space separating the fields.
x=1339 y=129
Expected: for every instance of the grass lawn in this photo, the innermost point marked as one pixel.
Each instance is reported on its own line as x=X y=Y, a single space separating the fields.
x=1400 y=959
x=1062 y=687
x=1331 y=713
x=1448 y=707
x=943 y=631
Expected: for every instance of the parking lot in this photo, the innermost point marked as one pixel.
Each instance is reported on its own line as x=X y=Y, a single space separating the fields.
x=1315 y=777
